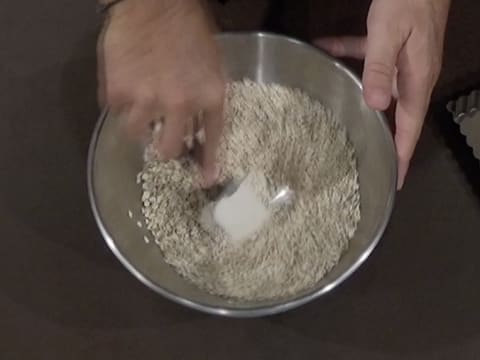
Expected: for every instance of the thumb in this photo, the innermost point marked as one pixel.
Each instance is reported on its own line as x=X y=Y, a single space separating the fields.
x=379 y=71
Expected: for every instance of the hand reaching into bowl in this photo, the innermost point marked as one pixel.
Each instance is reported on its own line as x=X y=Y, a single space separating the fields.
x=158 y=60
x=403 y=54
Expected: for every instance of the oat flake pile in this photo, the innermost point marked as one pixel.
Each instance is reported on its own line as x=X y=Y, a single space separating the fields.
x=279 y=136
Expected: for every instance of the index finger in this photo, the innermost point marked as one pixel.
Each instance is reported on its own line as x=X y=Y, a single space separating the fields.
x=414 y=96
x=213 y=125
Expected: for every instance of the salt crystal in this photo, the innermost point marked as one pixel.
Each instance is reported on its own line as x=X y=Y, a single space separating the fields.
x=242 y=214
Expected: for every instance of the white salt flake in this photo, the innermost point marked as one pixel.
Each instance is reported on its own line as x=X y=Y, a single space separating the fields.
x=242 y=214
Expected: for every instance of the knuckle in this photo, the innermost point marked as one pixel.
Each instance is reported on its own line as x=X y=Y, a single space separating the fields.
x=379 y=69
x=143 y=98
x=186 y=102
x=179 y=102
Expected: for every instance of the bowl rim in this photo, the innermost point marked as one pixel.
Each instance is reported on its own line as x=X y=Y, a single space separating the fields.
x=260 y=310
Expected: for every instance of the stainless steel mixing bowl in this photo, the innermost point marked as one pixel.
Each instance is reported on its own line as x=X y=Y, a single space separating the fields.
x=114 y=161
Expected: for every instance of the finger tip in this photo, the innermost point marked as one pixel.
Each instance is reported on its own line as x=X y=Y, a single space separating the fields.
x=320 y=42
x=378 y=99
x=210 y=176
x=324 y=44
x=402 y=174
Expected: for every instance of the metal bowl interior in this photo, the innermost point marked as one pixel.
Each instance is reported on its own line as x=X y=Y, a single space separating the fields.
x=114 y=160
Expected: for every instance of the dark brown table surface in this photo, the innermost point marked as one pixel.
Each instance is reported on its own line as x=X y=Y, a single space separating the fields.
x=63 y=295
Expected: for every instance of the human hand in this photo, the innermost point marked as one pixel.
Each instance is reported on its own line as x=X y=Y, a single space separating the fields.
x=403 y=54
x=159 y=60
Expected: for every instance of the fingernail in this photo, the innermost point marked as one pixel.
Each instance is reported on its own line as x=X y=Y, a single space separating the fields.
x=400 y=184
